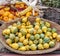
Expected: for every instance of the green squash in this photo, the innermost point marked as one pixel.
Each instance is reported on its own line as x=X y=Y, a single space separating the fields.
x=42 y=35
x=46 y=40
x=20 y=44
x=37 y=36
x=51 y=44
x=14 y=29
x=36 y=42
x=49 y=29
x=23 y=31
x=54 y=30
x=16 y=39
x=12 y=36
x=32 y=38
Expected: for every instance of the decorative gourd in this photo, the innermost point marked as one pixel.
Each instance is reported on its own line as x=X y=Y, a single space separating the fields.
x=58 y=38
x=23 y=31
x=42 y=35
x=40 y=47
x=30 y=42
x=32 y=37
x=46 y=40
x=12 y=36
x=54 y=30
x=25 y=42
x=20 y=34
x=37 y=36
x=33 y=47
x=14 y=46
x=23 y=48
x=27 y=47
x=36 y=42
x=44 y=29
x=51 y=44
x=54 y=35
x=39 y=31
x=8 y=41
x=46 y=45
x=47 y=24
x=6 y=36
x=14 y=29
x=24 y=20
x=6 y=31
x=40 y=41
x=16 y=39
x=49 y=29
x=20 y=44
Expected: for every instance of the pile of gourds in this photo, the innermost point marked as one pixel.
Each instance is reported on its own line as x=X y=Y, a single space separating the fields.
x=25 y=36
x=8 y=13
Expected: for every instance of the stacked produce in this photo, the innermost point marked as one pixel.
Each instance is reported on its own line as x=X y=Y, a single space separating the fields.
x=25 y=36
x=13 y=11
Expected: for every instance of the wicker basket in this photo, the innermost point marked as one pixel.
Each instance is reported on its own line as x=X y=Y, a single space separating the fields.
x=31 y=19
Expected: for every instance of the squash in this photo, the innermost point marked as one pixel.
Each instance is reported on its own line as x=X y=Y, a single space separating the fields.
x=6 y=32
x=25 y=42
x=22 y=39
x=31 y=30
x=33 y=47
x=58 y=38
x=40 y=47
x=14 y=46
x=23 y=31
x=40 y=41
x=32 y=37
x=23 y=48
x=51 y=44
x=28 y=35
x=35 y=42
x=44 y=29
x=49 y=29
x=46 y=40
x=54 y=30
x=30 y=42
x=16 y=39
x=20 y=35
x=12 y=36
x=54 y=35
x=37 y=36
x=47 y=34
x=20 y=44
x=37 y=27
x=8 y=41
x=42 y=35
x=39 y=31
x=14 y=29
x=27 y=47
x=46 y=45
x=47 y=24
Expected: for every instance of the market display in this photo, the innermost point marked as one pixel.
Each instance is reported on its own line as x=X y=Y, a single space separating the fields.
x=24 y=36
x=12 y=11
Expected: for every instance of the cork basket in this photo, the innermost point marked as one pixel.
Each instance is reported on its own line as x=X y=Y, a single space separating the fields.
x=31 y=19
